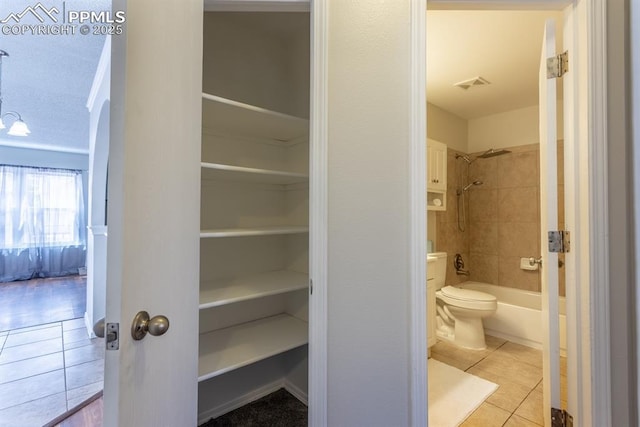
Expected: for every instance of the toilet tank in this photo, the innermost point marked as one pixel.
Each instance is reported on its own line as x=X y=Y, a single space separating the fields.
x=437 y=268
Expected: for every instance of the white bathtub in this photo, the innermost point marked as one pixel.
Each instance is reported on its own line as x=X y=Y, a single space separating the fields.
x=518 y=317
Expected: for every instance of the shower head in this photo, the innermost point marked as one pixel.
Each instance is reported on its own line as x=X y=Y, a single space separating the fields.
x=464 y=157
x=471 y=185
x=492 y=153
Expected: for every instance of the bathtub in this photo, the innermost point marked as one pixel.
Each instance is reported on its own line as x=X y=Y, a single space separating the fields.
x=518 y=317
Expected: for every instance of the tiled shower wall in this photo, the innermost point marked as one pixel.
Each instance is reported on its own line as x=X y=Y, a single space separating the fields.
x=502 y=218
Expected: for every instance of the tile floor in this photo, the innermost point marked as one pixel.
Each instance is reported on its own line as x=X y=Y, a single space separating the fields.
x=516 y=369
x=46 y=370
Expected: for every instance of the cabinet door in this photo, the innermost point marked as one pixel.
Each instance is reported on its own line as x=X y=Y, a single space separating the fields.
x=437 y=161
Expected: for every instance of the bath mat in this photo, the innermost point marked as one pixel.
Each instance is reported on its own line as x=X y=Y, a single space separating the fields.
x=454 y=394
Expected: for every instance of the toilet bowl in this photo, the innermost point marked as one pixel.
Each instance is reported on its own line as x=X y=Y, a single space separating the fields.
x=460 y=311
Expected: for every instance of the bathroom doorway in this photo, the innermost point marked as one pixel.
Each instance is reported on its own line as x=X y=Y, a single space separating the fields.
x=482 y=92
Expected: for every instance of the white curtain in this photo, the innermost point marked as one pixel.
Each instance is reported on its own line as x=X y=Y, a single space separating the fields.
x=42 y=222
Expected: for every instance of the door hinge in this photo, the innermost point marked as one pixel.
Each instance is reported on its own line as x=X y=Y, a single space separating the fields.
x=557 y=65
x=113 y=336
x=559 y=241
x=310 y=286
x=561 y=418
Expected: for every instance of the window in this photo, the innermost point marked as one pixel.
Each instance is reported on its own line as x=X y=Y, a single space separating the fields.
x=41 y=207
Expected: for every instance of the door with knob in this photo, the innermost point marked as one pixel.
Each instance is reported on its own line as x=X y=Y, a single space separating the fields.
x=154 y=208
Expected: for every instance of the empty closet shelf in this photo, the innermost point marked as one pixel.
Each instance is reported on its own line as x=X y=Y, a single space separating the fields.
x=257 y=231
x=222 y=292
x=222 y=172
x=231 y=348
x=233 y=117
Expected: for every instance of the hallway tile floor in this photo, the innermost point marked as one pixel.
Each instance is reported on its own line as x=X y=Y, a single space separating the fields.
x=46 y=370
x=516 y=369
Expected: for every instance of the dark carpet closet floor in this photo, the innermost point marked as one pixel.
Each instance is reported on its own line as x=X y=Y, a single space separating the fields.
x=278 y=409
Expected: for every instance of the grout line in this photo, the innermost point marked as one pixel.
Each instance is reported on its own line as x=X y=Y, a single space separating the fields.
x=64 y=366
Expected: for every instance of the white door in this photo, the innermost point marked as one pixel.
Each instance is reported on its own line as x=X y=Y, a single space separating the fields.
x=549 y=221
x=154 y=198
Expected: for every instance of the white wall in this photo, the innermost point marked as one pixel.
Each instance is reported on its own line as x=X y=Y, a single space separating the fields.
x=368 y=350
x=620 y=220
x=242 y=64
x=635 y=71
x=515 y=127
x=446 y=127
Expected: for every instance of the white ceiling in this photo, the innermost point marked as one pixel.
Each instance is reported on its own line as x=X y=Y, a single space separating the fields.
x=503 y=47
x=47 y=78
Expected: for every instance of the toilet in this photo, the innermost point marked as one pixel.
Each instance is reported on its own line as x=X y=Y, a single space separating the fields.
x=459 y=311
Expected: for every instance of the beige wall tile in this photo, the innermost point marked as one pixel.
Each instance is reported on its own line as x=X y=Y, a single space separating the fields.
x=487 y=415
x=485 y=170
x=483 y=238
x=451 y=240
x=510 y=275
x=520 y=239
x=518 y=169
x=483 y=205
x=518 y=204
x=483 y=268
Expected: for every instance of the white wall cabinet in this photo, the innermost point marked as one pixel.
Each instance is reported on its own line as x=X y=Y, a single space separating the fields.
x=436 y=175
x=254 y=225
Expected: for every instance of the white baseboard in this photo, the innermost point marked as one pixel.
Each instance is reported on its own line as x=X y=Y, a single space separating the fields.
x=298 y=393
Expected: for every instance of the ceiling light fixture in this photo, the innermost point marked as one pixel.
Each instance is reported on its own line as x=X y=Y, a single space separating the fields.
x=19 y=127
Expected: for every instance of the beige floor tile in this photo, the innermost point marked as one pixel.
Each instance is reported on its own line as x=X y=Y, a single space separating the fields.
x=522 y=353
x=487 y=415
x=521 y=372
x=532 y=408
x=516 y=421
x=563 y=365
x=462 y=359
x=493 y=343
x=509 y=394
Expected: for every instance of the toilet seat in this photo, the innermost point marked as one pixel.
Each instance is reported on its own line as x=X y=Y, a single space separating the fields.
x=467 y=298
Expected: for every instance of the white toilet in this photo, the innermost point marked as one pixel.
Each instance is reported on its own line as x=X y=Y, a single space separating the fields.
x=460 y=311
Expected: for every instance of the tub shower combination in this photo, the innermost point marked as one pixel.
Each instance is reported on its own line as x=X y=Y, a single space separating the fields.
x=518 y=316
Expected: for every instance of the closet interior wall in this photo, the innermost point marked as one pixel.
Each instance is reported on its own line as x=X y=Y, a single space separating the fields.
x=261 y=60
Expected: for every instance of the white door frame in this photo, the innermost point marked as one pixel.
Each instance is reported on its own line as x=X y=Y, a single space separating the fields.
x=594 y=291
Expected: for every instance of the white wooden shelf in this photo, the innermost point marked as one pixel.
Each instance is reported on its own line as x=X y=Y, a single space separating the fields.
x=233 y=117
x=217 y=171
x=231 y=348
x=257 y=231
x=219 y=293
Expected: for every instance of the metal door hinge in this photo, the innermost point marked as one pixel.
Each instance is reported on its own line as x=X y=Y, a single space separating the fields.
x=310 y=286
x=561 y=418
x=557 y=65
x=113 y=336
x=559 y=241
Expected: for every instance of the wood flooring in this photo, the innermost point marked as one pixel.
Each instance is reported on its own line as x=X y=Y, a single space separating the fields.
x=89 y=414
x=34 y=302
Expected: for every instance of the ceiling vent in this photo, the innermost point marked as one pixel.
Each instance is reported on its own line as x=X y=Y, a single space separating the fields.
x=474 y=82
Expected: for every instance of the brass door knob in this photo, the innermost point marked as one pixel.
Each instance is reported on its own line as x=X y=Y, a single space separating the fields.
x=142 y=323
